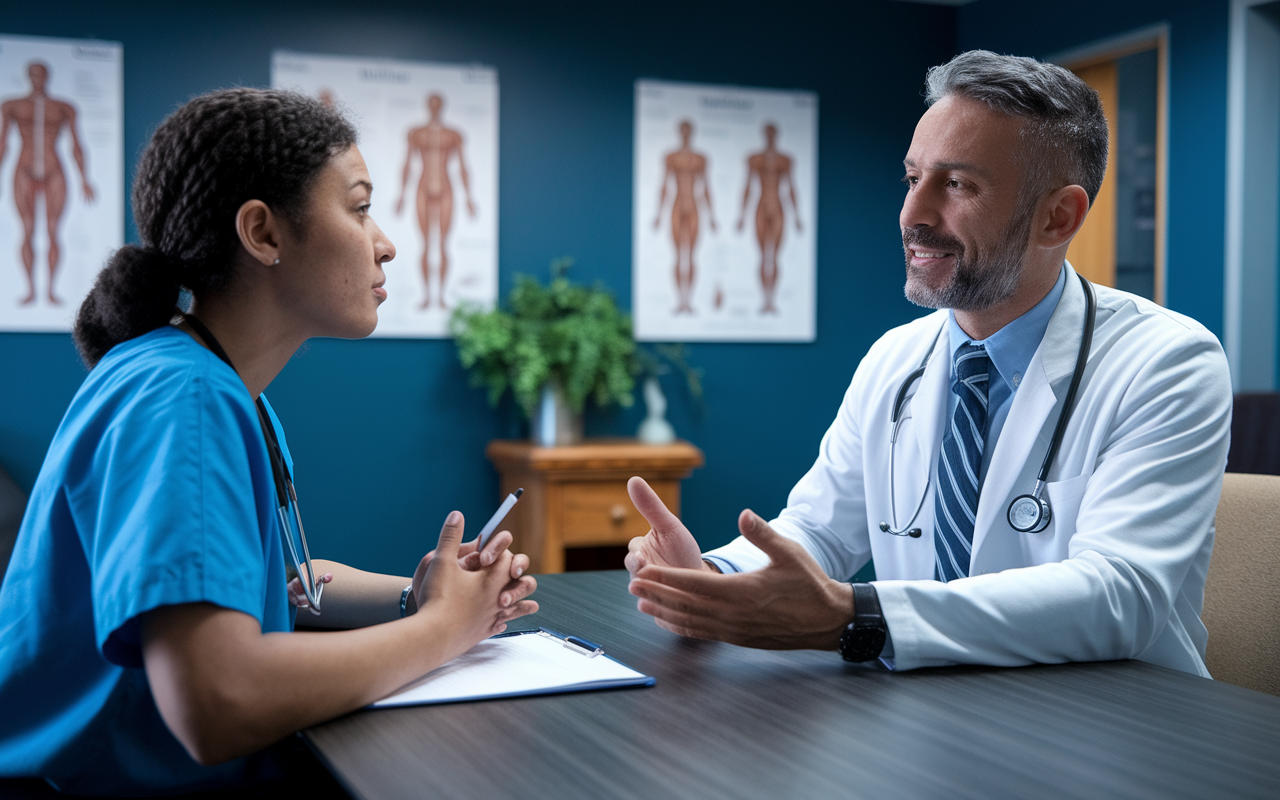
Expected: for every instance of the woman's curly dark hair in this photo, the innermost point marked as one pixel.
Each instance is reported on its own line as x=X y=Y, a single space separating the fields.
x=206 y=160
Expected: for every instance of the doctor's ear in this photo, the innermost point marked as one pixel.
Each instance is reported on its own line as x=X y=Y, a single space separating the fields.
x=259 y=230
x=1060 y=214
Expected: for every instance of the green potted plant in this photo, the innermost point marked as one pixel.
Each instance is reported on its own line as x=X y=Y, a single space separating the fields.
x=553 y=346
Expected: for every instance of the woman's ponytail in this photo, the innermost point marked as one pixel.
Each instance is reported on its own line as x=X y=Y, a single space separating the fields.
x=135 y=293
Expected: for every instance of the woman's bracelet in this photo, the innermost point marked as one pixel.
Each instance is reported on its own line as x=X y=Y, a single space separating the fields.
x=404 y=601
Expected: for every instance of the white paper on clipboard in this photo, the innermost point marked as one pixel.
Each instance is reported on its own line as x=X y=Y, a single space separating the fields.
x=517 y=664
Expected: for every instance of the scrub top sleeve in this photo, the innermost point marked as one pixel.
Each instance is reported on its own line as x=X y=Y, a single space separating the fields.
x=172 y=509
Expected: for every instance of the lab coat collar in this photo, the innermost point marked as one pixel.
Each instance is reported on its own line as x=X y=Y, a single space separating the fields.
x=1011 y=348
x=931 y=412
x=1061 y=343
x=1029 y=426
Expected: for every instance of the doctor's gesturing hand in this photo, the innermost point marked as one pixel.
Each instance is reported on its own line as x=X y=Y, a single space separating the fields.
x=669 y=543
x=789 y=605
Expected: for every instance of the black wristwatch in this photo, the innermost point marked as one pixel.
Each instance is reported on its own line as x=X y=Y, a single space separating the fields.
x=864 y=639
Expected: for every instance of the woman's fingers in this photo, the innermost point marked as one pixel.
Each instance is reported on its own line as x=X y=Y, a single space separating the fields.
x=493 y=569
x=297 y=597
x=517 y=590
x=521 y=609
x=476 y=561
x=497 y=543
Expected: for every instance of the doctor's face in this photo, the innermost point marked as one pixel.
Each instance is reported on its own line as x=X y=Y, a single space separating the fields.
x=964 y=231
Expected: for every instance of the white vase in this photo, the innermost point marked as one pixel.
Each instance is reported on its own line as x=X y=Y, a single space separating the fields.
x=655 y=429
x=554 y=423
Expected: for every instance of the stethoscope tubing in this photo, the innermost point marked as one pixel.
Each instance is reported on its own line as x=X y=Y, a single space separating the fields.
x=1043 y=509
x=286 y=497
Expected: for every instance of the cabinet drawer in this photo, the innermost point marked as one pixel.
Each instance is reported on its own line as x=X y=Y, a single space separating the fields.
x=597 y=513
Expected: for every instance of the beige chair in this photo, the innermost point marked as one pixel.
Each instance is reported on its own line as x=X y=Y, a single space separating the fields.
x=1242 y=594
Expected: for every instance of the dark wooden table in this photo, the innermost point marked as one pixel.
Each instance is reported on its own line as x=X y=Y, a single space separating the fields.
x=727 y=722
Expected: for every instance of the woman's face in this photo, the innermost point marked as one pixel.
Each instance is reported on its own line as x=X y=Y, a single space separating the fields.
x=333 y=262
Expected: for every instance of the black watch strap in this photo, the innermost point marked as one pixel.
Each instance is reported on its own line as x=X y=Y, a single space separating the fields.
x=866 y=606
x=864 y=638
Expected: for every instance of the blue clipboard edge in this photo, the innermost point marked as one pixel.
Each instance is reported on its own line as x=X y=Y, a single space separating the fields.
x=589 y=686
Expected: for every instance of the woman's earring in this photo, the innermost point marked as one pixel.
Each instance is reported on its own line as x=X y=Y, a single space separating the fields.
x=275 y=263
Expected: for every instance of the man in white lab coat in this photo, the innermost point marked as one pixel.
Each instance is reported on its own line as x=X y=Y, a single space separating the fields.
x=1107 y=557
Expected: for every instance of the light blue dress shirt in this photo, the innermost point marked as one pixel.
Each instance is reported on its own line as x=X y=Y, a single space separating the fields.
x=1010 y=350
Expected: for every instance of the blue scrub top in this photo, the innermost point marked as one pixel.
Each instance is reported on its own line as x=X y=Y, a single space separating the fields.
x=156 y=490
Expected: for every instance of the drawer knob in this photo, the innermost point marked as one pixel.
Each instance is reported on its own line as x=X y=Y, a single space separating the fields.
x=618 y=513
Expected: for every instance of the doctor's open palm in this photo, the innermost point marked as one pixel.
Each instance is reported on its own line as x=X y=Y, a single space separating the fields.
x=669 y=543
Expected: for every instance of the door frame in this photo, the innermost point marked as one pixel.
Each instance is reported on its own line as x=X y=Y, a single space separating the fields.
x=1250 y=258
x=1153 y=37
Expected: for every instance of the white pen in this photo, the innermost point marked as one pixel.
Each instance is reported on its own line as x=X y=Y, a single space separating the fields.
x=498 y=516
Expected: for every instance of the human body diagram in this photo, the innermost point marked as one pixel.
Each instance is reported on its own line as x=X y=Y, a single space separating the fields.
x=689 y=170
x=41 y=120
x=435 y=145
x=769 y=168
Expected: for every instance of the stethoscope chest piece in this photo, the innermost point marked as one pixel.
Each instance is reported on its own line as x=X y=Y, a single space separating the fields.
x=1029 y=514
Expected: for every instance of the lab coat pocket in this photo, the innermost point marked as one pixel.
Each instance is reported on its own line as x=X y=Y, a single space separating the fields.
x=1064 y=502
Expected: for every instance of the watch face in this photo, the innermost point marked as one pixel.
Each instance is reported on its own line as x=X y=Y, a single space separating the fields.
x=861 y=644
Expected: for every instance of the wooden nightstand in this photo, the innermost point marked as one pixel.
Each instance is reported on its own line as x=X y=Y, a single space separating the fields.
x=577 y=496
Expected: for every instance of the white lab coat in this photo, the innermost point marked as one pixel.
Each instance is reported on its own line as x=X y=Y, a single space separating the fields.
x=1119 y=572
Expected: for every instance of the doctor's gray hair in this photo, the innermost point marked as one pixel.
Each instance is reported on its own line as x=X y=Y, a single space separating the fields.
x=1065 y=135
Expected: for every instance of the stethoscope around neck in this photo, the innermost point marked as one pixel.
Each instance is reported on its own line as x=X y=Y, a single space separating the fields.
x=291 y=530
x=1028 y=513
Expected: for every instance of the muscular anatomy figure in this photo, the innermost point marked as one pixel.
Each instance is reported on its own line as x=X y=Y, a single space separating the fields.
x=770 y=168
x=435 y=144
x=40 y=120
x=689 y=169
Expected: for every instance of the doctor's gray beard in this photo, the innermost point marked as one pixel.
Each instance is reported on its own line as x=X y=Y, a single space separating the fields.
x=975 y=285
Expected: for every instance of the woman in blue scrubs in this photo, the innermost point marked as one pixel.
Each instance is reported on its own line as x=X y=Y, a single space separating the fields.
x=146 y=641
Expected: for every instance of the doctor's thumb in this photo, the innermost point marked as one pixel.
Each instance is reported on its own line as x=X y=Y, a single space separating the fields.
x=758 y=532
x=651 y=507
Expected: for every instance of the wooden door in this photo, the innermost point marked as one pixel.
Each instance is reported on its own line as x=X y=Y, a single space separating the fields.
x=1093 y=250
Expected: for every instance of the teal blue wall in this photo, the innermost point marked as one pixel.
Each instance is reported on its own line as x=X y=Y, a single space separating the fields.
x=1197 y=114
x=387 y=436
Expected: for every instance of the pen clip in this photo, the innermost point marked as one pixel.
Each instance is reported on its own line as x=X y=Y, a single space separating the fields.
x=577 y=644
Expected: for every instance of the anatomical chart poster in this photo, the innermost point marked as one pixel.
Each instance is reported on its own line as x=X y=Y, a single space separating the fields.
x=61 y=175
x=429 y=135
x=725 y=209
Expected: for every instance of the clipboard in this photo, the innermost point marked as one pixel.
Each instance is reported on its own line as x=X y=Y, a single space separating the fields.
x=519 y=664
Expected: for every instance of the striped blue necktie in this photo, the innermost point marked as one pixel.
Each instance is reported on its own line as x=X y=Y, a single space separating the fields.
x=957 y=498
